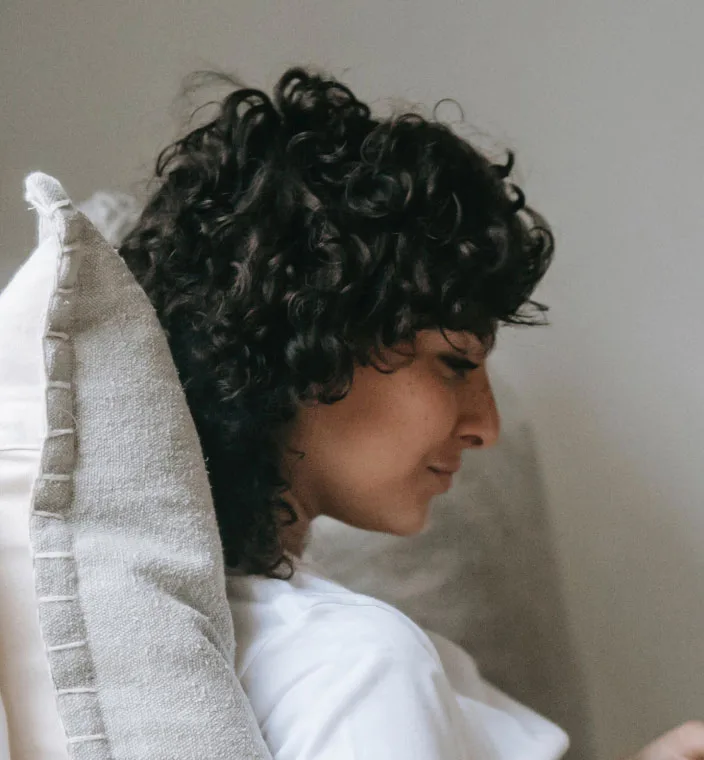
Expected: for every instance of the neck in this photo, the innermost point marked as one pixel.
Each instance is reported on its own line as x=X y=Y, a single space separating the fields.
x=294 y=538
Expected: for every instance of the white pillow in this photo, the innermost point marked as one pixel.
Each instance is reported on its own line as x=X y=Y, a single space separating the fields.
x=25 y=678
x=117 y=639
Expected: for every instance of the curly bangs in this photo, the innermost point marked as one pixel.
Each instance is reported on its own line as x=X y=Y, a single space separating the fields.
x=292 y=238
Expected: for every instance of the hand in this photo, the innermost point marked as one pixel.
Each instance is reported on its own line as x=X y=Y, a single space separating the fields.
x=686 y=742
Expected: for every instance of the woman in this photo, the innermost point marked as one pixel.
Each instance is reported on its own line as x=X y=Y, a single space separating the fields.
x=331 y=285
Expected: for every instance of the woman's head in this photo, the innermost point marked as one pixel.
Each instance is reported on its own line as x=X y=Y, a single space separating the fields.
x=307 y=262
x=368 y=457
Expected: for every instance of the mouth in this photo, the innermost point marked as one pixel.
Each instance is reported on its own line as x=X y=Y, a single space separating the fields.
x=445 y=478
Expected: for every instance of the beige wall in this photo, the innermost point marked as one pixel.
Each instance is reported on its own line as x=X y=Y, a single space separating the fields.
x=603 y=103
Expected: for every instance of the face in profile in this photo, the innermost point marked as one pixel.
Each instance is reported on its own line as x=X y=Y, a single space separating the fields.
x=368 y=457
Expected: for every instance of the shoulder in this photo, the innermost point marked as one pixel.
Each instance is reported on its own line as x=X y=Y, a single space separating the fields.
x=331 y=673
x=360 y=623
x=347 y=677
x=313 y=619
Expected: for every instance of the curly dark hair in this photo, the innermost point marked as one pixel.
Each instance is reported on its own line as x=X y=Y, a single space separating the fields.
x=290 y=238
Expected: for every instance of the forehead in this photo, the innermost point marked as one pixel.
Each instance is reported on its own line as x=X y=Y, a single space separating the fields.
x=465 y=342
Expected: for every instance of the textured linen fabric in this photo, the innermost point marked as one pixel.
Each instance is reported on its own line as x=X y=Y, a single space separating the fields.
x=128 y=568
x=335 y=675
x=113 y=214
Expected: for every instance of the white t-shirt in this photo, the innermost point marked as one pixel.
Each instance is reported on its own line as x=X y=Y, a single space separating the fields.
x=336 y=675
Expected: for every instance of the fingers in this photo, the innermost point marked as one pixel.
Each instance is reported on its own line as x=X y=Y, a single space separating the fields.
x=686 y=742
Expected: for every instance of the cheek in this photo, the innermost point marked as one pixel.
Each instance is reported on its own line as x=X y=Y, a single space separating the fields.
x=397 y=426
x=369 y=453
x=384 y=433
x=424 y=418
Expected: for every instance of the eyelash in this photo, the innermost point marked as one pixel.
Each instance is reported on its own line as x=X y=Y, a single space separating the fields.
x=461 y=367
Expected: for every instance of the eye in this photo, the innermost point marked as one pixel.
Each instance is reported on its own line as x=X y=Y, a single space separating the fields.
x=461 y=367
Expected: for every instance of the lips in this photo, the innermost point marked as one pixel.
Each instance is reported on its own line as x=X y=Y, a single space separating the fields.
x=446 y=469
x=442 y=477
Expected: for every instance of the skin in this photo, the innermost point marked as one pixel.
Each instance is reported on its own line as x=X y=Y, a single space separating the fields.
x=367 y=456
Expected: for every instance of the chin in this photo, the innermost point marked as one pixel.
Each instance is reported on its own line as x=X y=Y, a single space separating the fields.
x=409 y=524
x=403 y=519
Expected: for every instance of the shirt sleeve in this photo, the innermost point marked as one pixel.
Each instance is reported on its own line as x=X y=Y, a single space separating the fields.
x=362 y=687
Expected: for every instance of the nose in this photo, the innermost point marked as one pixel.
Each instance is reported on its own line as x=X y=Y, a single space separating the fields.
x=480 y=423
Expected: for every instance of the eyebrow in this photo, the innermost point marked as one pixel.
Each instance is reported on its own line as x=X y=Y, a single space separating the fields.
x=479 y=350
x=463 y=363
x=470 y=352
